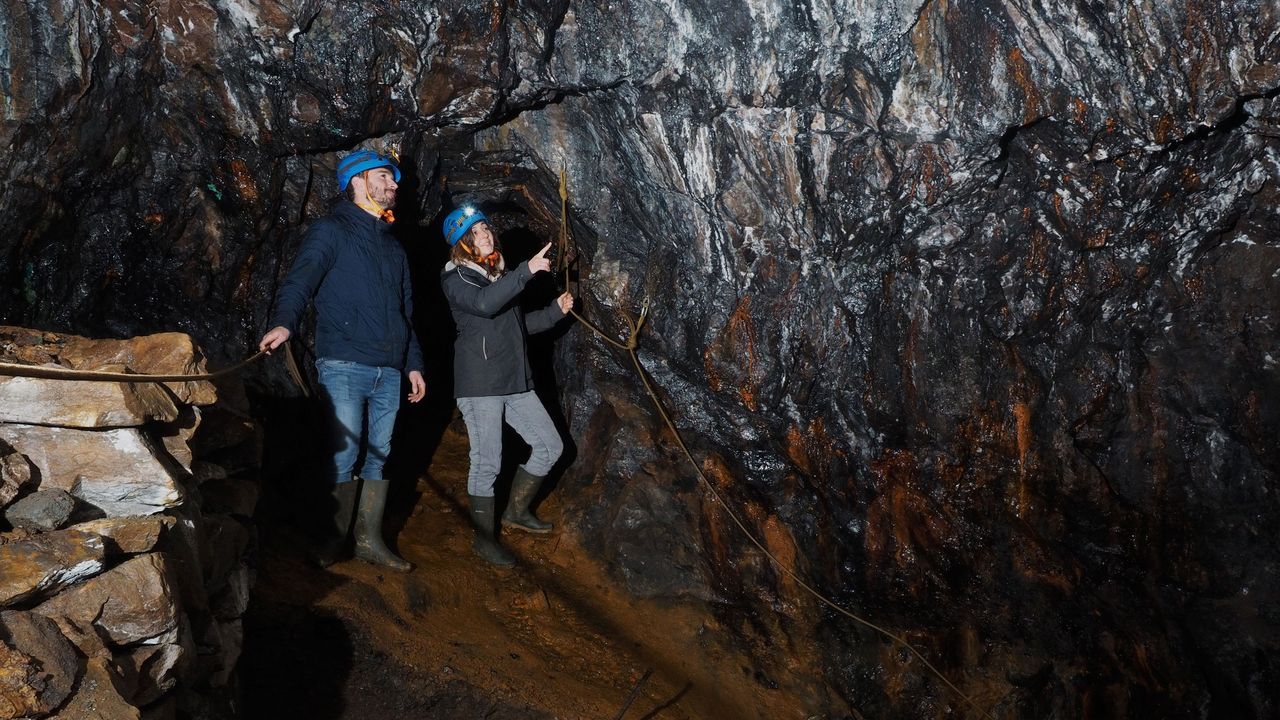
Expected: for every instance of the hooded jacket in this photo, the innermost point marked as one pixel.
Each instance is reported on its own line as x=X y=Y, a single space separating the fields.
x=491 y=356
x=359 y=276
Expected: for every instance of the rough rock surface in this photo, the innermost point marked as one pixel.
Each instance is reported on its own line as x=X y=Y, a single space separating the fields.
x=82 y=403
x=41 y=565
x=131 y=603
x=969 y=308
x=15 y=473
x=43 y=510
x=127 y=535
x=38 y=666
x=116 y=471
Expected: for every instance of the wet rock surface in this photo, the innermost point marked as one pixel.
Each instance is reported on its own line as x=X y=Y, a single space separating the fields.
x=969 y=309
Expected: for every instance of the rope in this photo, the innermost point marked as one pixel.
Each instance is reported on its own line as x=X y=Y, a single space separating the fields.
x=61 y=373
x=630 y=346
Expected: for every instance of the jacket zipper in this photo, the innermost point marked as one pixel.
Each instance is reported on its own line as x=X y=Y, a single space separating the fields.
x=484 y=347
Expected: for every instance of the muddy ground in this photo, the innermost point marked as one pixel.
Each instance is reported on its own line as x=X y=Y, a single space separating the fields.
x=552 y=637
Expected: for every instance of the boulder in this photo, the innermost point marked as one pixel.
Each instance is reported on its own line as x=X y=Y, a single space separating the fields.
x=116 y=471
x=97 y=697
x=83 y=403
x=127 y=535
x=176 y=434
x=159 y=354
x=15 y=472
x=40 y=565
x=150 y=671
x=131 y=603
x=38 y=666
x=43 y=510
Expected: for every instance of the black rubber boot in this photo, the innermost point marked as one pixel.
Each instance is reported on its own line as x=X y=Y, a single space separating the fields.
x=518 y=515
x=486 y=545
x=369 y=544
x=334 y=545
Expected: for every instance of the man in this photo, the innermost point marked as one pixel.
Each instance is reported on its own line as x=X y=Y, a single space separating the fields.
x=359 y=277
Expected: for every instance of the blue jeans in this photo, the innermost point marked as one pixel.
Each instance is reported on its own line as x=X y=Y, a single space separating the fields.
x=526 y=415
x=360 y=398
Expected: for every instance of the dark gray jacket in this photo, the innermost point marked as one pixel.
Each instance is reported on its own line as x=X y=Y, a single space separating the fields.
x=359 y=277
x=490 y=356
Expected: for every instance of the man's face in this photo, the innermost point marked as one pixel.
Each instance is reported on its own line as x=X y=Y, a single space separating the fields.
x=380 y=184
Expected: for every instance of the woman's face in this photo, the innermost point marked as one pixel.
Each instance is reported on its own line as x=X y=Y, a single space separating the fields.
x=482 y=238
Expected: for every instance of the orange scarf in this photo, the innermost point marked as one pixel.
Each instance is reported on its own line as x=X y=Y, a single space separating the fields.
x=489 y=262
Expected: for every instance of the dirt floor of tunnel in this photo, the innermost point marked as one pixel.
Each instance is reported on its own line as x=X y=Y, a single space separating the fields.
x=552 y=637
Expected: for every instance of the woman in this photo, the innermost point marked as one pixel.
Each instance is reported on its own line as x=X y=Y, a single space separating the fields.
x=491 y=376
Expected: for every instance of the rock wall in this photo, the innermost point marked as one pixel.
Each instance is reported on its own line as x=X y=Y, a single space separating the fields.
x=970 y=307
x=124 y=530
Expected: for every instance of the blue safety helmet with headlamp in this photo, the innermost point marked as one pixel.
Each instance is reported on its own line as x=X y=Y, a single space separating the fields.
x=360 y=161
x=460 y=221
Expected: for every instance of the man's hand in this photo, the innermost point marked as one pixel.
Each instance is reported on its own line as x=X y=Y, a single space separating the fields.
x=539 y=263
x=417 y=386
x=565 y=302
x=272 y=340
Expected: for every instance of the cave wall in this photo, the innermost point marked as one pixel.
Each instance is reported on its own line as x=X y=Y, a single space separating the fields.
x=969 y=308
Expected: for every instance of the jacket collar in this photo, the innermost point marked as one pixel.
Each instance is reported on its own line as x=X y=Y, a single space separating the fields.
x=502 y=264
x=353 y=213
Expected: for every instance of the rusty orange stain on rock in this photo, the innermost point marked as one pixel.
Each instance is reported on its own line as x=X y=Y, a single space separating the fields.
x=736 y=343
x=1021 y=72
x=1079 y=110
x=1022 y=421
x=245 y=186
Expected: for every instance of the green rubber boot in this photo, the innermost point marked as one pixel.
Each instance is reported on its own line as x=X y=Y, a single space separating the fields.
x=369 y=544
x=334 y=545
x=518 y=515
x=486 y=545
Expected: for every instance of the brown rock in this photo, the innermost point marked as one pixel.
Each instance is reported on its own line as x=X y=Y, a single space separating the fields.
x=176 y=435
x=38 y=666
x=15 y=472
x=127 y=535
x=150 y=671
x=131 y=603
x=42 y=564
x=115 y=470
x=97 y=697
x=159 y=354
x=82 y=403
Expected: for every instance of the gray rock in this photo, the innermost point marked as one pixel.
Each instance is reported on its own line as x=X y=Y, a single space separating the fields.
x=43 y=510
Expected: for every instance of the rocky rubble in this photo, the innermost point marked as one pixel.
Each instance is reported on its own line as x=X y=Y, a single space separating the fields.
x=121 y=586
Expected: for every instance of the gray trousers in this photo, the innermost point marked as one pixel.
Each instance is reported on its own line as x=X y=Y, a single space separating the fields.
x=525 y=414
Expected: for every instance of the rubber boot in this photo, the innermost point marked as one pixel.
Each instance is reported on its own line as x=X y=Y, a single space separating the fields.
x=518 y=515
x=334 y=545
x=369 y=544
x=486 y=545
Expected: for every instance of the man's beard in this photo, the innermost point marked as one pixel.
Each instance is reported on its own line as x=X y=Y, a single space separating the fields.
x=386 y=198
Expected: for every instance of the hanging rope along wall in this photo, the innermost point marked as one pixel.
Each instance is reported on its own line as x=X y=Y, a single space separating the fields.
x=630 y=346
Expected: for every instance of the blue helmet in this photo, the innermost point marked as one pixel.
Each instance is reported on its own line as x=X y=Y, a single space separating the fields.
x=460 y=221
x=360 y=161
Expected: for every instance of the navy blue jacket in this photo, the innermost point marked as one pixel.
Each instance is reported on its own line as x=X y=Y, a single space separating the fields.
x=359 y=276
x=490 y=356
